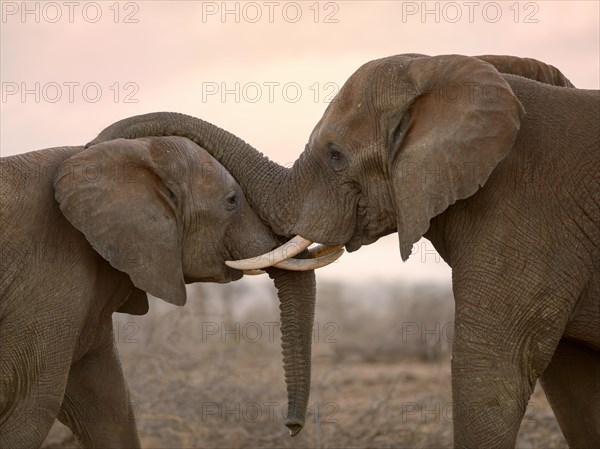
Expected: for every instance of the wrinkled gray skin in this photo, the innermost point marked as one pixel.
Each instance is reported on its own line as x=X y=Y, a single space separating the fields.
x=135 y=216
x=405 y=146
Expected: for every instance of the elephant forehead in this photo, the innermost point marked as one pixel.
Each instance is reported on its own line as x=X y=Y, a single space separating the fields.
x=374 y=88
x=380 y=74
x=350 y=115
x=171 y=152
x=210 y=170
x=182 y=156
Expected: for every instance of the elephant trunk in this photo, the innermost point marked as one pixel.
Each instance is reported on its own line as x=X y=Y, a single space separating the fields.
x=265 y=183
x=296 y=291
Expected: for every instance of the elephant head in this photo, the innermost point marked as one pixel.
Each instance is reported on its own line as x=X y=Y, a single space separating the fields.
x=405 y=138
x=167 y=213
x=162 y=210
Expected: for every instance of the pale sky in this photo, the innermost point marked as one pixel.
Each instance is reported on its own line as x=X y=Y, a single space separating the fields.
x=262 y=70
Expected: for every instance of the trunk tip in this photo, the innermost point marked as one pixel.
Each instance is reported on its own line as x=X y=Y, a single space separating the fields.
x=295 y=426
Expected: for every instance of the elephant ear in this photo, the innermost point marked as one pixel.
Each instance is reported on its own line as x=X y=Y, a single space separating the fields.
x=461 y=120
x=116 y=194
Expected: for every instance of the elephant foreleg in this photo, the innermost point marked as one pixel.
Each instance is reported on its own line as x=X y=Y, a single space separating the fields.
x=96 y=405
x=34 y=363
x=572 y=385
x=506 y=332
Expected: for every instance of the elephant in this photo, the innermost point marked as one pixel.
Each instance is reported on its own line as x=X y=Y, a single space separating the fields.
x=496 y=161
x=87 y=232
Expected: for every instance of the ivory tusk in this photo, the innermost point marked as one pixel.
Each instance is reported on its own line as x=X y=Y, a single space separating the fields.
x=253 y=272
x=290 y=249
x=322 y=251
x=331 y=255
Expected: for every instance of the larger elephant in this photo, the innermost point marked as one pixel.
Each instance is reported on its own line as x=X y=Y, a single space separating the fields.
x=130 y=217
x=496 y=160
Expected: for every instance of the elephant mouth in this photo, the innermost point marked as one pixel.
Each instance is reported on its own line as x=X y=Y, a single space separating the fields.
x=353 y=245
x=360 y=227
x=371 y=224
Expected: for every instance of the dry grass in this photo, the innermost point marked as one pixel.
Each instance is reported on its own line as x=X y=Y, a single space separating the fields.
x=209 y=375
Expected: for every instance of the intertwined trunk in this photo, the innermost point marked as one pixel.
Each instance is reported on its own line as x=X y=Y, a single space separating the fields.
x=266 y=184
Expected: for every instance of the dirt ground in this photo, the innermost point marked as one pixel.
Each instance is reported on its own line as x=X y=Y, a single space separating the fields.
x=203 y=376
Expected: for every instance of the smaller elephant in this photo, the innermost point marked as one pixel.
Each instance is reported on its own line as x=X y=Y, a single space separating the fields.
x=87 y=232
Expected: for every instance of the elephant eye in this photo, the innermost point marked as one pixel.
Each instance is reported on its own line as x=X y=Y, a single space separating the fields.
x=337 y=159
x=231 y=201
x=172 y=196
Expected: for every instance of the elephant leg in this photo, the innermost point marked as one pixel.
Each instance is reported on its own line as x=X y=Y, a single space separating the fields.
x=572 y=385
x=505 y=335
x=34 y=364
x=26 y=421
x=96 y=406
